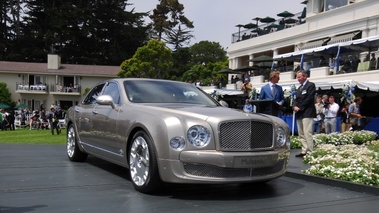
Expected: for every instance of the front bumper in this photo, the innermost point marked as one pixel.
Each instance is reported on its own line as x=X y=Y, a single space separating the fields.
x=224 y=167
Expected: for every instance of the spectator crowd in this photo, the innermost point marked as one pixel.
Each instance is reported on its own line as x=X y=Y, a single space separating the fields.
x=39 y=119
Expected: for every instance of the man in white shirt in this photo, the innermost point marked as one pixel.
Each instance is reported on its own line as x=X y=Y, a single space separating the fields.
x=330 y=112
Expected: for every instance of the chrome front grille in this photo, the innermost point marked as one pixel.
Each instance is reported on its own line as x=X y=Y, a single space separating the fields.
x=210 y=171
x=246 y=136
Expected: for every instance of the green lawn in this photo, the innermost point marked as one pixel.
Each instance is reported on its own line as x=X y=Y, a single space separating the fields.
x=26 y=136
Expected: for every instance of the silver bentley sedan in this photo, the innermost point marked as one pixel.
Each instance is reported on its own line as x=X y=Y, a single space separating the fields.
x=168 y=131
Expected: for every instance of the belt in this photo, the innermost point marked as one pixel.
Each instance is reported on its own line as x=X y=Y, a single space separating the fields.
x=329 y=117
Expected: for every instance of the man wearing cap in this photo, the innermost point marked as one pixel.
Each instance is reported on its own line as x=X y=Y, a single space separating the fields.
x=53 y=118
x=247 y=86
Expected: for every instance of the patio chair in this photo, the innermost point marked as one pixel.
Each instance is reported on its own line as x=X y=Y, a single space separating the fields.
x=17 y=123
x=62 y=122
x=34 y=124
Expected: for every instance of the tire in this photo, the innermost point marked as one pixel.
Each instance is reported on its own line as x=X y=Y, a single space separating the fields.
x=73 y=151
x=143 y=167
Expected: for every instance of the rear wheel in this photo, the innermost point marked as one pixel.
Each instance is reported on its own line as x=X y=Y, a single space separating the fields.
x=73 y=151
x=143 y=165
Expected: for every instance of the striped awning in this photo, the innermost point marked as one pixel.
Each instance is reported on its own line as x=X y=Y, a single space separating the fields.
x=363 y=44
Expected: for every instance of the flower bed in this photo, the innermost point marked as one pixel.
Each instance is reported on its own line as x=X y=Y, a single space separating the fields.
x=350 y=156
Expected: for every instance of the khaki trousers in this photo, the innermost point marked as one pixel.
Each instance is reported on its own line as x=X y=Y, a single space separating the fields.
x=345 y=127
x=305 y=131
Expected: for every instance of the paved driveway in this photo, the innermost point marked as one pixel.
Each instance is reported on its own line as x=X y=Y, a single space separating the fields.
x=39 y=178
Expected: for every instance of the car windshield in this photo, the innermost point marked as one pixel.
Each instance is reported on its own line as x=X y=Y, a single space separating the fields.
x=166 y=92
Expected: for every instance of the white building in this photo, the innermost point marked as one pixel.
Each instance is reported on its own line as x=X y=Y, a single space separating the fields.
x=52 y=83
x=327 y=26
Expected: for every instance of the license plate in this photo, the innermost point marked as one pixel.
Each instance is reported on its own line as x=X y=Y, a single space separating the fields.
x=256 y=161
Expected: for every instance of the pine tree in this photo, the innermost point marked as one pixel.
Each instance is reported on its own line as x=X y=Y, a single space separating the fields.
x=82 y=32
x=170 y=24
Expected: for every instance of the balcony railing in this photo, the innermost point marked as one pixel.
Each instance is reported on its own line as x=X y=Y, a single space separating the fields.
x=41 y=88
x=268 y=28
x=44 y=88
x=56 y=88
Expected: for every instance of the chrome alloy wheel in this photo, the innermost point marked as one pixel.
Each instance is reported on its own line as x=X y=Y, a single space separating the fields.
x=71 y=137
x=139 y=161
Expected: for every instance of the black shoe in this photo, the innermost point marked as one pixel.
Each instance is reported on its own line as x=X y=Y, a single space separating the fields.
x=300 y=155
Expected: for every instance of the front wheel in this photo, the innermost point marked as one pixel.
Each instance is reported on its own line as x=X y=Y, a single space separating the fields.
x=73 y=151
x=143 y=165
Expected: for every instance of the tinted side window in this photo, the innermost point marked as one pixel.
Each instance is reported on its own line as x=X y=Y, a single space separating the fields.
x=112 y=90
x=93 y=94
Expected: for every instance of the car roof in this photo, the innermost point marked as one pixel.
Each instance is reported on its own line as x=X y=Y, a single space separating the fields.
x=120 y=80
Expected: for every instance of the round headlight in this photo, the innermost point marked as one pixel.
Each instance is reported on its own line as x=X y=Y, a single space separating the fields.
x=281 y=136
x=177 y=143
x=199 y=136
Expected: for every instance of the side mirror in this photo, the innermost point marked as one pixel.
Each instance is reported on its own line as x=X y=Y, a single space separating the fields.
x=105 y=100
x=224 y=104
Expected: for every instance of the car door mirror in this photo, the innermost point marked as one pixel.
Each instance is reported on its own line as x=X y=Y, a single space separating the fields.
x=105 y=100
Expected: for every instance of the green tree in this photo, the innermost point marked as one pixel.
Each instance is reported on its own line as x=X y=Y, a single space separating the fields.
x=5 y=95
x=82 y=32
x=207 y=52
x=182 y=62
x=197 y=72
x=10 y=24
x=205 y=73
x=217 y=66
x=207 y=58
x=153 y=60
x=170 y=24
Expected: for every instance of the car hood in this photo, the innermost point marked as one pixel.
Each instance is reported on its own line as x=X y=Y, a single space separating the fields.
x=206 y=112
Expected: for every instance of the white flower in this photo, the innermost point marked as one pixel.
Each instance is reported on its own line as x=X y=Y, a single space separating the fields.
x=337 y=157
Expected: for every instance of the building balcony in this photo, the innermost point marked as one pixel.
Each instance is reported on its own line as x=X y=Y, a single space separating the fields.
x=264 y=29
x=48 y=89
x=32 y=88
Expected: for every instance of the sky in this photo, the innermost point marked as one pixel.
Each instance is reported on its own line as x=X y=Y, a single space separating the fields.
x=215 y=20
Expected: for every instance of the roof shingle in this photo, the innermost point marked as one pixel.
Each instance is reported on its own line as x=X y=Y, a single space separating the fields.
x=73 y=69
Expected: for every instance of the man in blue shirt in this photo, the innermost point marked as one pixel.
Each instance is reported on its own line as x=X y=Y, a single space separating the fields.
x=247 y=107
x=272 y=91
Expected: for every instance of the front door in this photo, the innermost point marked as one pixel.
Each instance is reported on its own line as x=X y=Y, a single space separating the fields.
x=83 y=116
x=104 y=120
